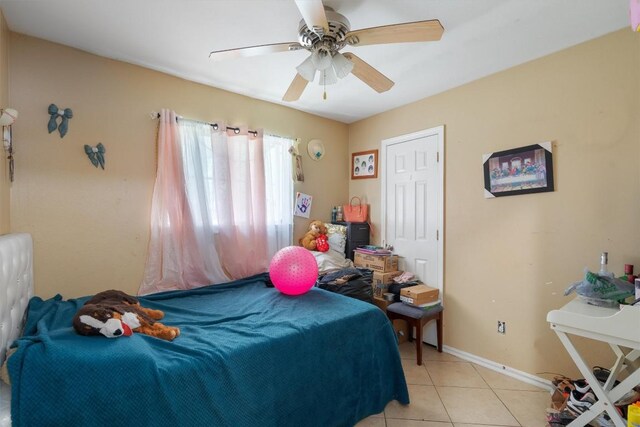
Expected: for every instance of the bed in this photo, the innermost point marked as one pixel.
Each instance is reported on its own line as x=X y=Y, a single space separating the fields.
x=336 y=257
x=247 y=355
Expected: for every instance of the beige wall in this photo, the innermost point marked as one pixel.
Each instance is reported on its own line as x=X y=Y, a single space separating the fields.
x=511 y=258
x=506 y=259
x=90 y=226
x=5 y=184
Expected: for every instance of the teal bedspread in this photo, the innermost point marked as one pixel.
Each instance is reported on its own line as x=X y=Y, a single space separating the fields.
x=247 y=356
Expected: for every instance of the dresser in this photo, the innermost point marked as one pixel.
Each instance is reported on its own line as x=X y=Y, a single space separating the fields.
x=357 y=235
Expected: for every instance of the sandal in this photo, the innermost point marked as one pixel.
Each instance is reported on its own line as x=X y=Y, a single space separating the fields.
x=565 y=387
x=602 y=375
x=557 y=379
x=558 y=401
x=560 y=418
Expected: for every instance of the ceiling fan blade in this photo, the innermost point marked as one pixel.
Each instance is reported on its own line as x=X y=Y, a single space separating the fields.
x=296 y=88
x=312 y=12
x=243 y=52
x=365 y=72
x=421 y=31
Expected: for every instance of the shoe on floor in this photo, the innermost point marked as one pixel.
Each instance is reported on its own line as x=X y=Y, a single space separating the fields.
x=630 y=397
x=559 y=418
x=579 y=402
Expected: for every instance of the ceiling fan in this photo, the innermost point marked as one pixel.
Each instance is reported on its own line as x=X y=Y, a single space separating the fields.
x=324 y=32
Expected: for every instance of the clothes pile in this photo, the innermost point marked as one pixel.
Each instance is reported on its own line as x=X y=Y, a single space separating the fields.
x=351 y=282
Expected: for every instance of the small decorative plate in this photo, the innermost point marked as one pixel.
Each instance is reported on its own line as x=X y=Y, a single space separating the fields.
x=315 y=148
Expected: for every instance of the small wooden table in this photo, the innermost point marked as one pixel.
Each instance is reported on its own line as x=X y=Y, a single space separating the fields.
x=417 y=318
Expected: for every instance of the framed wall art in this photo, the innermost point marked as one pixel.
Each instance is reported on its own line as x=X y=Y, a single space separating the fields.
x=364 y=164
x=520 y=170
x=302 y=205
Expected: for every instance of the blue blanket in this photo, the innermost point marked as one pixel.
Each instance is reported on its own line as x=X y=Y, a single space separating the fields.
x=247 y=356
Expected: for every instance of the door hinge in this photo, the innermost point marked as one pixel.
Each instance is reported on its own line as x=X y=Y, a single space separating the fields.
x=437 y=234
x=437 y=156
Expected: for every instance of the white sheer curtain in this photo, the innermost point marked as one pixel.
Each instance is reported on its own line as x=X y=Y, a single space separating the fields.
x=236 y=195
x=279 y=184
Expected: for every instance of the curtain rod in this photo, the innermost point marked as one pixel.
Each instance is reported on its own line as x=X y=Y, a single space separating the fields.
x=155 y=115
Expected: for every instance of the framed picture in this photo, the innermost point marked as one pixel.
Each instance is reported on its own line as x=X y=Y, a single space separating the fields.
x=521 y=170
x=302 y=205
x=364 y=164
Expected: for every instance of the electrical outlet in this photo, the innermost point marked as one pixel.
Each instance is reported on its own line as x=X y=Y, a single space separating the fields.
x=502 y=327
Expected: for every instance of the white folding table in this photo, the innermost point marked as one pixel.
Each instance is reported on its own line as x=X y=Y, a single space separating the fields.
x=620 y=328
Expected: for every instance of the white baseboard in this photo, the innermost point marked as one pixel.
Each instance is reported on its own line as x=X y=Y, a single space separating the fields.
x=506 y=370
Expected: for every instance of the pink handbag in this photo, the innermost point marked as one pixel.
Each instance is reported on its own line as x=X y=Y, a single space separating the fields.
x=355 y=213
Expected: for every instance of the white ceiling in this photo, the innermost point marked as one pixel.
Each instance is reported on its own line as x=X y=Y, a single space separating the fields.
x=481 y=37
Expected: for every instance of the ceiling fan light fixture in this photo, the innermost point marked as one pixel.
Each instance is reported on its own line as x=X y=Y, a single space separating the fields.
x=321 y=59
x=307 y=70
x=341 y=65
x=328 y=77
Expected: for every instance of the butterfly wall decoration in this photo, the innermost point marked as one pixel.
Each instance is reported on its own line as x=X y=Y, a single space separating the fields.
x=95 y=154
x=56 y=112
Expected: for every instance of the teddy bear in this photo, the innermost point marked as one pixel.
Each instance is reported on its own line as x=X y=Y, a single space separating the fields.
x=316 y=238
x=114 y=314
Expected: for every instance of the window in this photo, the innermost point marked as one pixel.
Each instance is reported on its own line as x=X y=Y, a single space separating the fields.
x=222 y=205
x=221 y=171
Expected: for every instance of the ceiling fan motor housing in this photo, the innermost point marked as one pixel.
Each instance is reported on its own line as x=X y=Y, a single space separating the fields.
x=332 y=40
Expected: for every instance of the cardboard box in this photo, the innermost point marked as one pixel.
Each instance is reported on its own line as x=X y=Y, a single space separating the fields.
x=382 y=263
x=385 y=278
x=401 y=328
x=419 y=294
x=381 y=282
x=381 y=303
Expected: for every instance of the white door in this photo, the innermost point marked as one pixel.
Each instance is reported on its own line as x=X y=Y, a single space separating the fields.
x=412 y=217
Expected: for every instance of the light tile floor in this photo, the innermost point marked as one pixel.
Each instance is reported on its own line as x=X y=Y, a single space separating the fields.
x=450 y=392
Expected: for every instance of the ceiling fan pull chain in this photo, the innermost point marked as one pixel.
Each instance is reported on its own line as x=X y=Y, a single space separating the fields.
x=324 y=84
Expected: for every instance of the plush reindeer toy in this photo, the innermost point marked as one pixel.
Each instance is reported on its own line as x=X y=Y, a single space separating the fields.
x=115 y=314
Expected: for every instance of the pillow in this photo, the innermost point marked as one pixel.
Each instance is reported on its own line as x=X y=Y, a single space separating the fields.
x=337 y=236
x=331 y=260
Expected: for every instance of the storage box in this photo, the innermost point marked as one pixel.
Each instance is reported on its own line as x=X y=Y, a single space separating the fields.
x=401 y=328
x=381 y=282
x=419 y=294
x=381 y=303
x=382 y=263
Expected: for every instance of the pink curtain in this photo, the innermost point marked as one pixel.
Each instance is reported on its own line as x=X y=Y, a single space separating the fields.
x=174 y=258
x=208 y=217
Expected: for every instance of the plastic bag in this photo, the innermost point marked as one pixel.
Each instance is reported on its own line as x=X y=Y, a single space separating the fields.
x=354 y=288
x=349 y=282
x=601 y=290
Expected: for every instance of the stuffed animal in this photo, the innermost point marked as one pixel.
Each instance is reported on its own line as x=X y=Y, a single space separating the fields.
x=310 y=239
x=322 y=243
x=115 y=314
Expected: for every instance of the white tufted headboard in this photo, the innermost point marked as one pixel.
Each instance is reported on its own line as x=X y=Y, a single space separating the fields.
x=16 y=286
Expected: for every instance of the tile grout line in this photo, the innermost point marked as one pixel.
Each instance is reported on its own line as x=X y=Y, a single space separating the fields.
x=443 y=405
x=424 y=366
x=487 y=386
x=480 y=374
x=496 y=395
x=505 y=405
